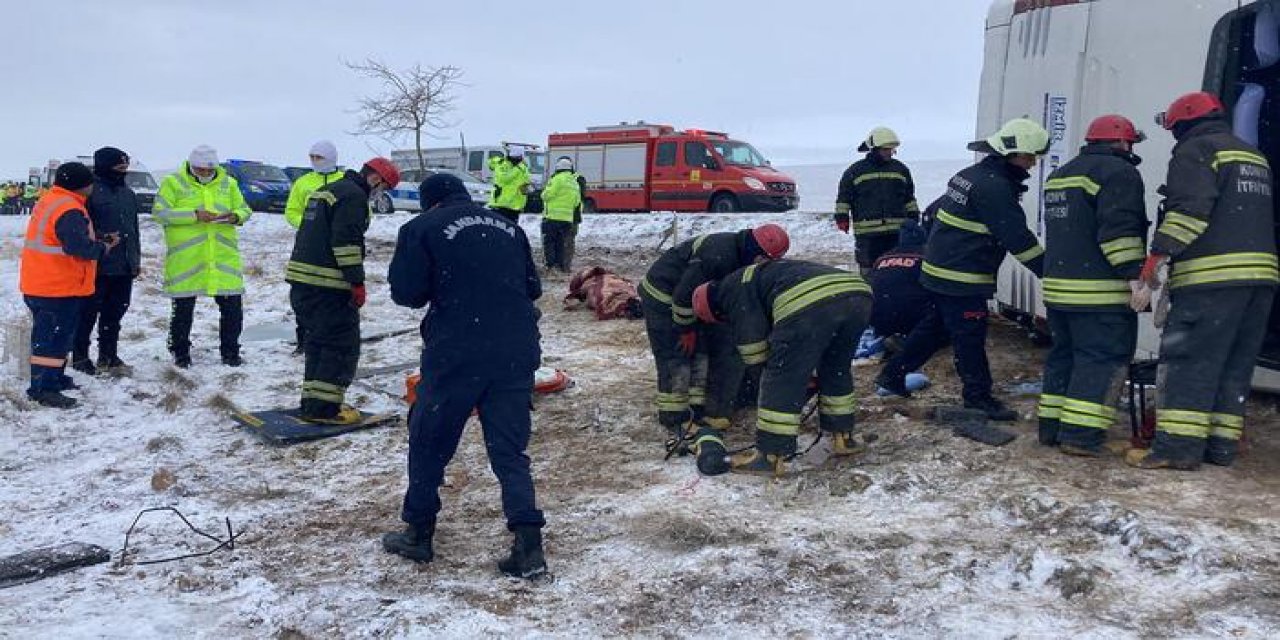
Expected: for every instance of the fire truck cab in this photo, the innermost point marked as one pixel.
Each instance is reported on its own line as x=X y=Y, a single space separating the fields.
x=1065 y=62
x=654 y=167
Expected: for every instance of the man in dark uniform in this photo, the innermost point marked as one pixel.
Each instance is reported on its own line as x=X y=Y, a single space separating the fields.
x=666 y=296
x=1218 y=237
x=795 y=318
x=475 y=269
x=113 y=207
x=979 y=220
x=878 y=194
x=1095 y=240
x=327 y=274
x=901 y=302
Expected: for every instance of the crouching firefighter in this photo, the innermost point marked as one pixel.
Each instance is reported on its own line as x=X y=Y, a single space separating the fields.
x=794 y=318
x=666 y=296
x=1218 y=237
x=326 y=272
x=1095 y=241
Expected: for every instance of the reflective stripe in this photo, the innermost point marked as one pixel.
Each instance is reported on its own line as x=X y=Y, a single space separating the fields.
x=814 y=290
x=697 y=395
x=654 y=292
x=957 y=276
x=1227 y=426
x=1122 y=250
x=194 y=242
x=882 y=175
x=41 y=215
x=1182 y=227
x=321 y=390
x=883 y=225
x=184 y=276
x=1029 y=254
x=228 y=241
x=838 y=405
x=325 y=196
x=749 y=273
x=1050 y=406
x=672 y=402
x=1178 y=422
x=1086 y=292
x=1078 y=182
x=697 y=243
x=912 y=207
x=707 y=437
x=45 y=361
x=961 y=223
x=777 y=422
x=43 y=248
x=843 y=207
x=1087 y=414
x=303 y=267
x=683 y=316
x=1225 y=268
x=302 y=273
x=228 y=269
x=754 y=353
x=349 y=261
x=166 y=215
x=1225 y=157
x=349 y=250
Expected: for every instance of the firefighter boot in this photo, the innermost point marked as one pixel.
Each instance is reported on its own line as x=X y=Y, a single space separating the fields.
x=526 y=559
x=709 y=447
x=1049 y=431
x=1183 y=453
x=845 y=443
x=346 y=415
x=768 y=465
x=413 y=543
x=1221 y=451
x=994 y=409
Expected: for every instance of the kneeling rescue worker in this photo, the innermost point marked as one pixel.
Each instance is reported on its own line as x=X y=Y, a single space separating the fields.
x=793 y=317
x=978 y=220
x=666 y=296
x=1218 y=237
x=1095 y=241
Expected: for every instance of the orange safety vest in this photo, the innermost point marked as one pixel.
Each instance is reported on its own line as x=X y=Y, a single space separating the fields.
x=46 y=271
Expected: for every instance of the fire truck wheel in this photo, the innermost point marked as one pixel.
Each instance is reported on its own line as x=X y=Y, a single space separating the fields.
x=724 y=203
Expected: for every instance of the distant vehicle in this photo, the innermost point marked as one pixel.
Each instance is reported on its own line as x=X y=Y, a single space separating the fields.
x=405 y=196
x=296 y=172
x=474 y=160
x=265 y=186
x=138 y=178
x=654 y=167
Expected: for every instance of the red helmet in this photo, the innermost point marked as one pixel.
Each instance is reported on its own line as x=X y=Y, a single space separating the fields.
x=385 y=170
x=773 y=240
x=1191 y=107
x=702 y=304
x=1113 y=128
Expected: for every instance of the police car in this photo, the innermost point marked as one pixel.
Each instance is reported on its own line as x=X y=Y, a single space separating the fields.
x=405 y=196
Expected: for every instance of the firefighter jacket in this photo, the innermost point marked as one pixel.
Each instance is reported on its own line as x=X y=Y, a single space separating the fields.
x=900 y=301
x=1095 y=231
x=561 y=197
x=59 y=257
x=202 y=258
x=672 y=279
x=510 y=179
x=978 y=220
x=302 y=189
x=328 y=250
x=879 y=194
x=760 y=296
x=1218 y=222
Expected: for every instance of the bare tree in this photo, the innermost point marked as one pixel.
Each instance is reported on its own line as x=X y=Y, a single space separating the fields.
x=415 y=100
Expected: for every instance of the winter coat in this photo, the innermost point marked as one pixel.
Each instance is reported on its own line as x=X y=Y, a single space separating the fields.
x=328 y=250
x=561 y=197
x=301 y=191
x=879 y=195
x=672 y=279
x=509 y=182
x=113 y=207
x=202 y=258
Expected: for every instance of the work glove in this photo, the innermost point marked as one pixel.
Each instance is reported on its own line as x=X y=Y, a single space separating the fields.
x=842 y=224
x=1151 y=270
x=358 y=295
x=1139 y=296
x=688 y=342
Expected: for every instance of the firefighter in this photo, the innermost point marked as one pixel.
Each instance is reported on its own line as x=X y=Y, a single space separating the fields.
x=1217 y=236
x=978 y=221
x=200 y=207
x=324 y=171
x=511 y=182
x=561 y=198
x=901 y=302
x=113 y=208
x=326 y=274
x=1095 y=242
x=57 y=271
x=793 y=317
x=474 y=271
x=878 y=194
x=666 y=296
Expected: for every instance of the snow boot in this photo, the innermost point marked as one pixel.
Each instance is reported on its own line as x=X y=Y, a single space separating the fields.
x=768 y=465
x=526 y=559
x=413 y=543
x=893 y=384
x=712 y=455
x=994 y=409
x=182 y=359
x=53 y=399
x=846 y=444
x=232 y=359
x=984 y=433
x=81 y=362
x=1080 y=451
x=1150 y=459
x=113 y=365
x=68 y=384
x=346 y=414
x=1221 y=451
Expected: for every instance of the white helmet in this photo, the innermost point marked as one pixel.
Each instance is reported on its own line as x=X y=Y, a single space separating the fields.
x=563 y=163
x=1019 y=135
x=880 y=138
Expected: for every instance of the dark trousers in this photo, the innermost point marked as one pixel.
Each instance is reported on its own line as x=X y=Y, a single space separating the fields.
x=1083 y=375
x=510 y=214
x=1208 y=350
x=868 y=248
x=675 y=369
x=555 y=244
x=436 y=421
x=53 y=329
x=105 y=308
x=570 y=246
x=332 y=349
x=230 y=324
x=720 y=365
x=963 y=321
x=822 y=338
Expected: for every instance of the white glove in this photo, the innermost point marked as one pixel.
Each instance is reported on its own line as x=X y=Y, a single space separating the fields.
x=1139 y=296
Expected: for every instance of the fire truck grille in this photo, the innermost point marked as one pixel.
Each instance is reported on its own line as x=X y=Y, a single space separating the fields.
x=782 y=187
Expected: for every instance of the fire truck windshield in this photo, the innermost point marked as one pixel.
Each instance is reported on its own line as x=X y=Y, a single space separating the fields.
x=739 y=153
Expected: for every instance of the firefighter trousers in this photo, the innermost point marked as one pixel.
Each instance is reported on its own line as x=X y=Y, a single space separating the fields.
x=53 y=329
x=868 y=248
x=820 y=338
x=718 y=360
x=230 y=324
x=1084 y=374
x=960 y=320
x=332 y=349
x=1208 y=350
x=676 y=393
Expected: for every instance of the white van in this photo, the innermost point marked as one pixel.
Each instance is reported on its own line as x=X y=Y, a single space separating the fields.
x=138 y=178
x=1065 y=62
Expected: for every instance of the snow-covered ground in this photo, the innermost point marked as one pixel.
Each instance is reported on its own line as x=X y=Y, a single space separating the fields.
x=924 y=536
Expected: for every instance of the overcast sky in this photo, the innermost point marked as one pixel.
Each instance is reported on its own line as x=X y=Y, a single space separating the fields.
x=801 y=79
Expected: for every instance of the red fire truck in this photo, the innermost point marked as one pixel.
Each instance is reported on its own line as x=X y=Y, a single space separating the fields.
x=648 y=167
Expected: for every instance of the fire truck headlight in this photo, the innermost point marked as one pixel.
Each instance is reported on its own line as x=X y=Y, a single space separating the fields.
x=754 y=183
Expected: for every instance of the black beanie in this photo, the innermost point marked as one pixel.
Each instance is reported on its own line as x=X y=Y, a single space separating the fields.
x=437 y=187
x=73 y=176
x=106 y=158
